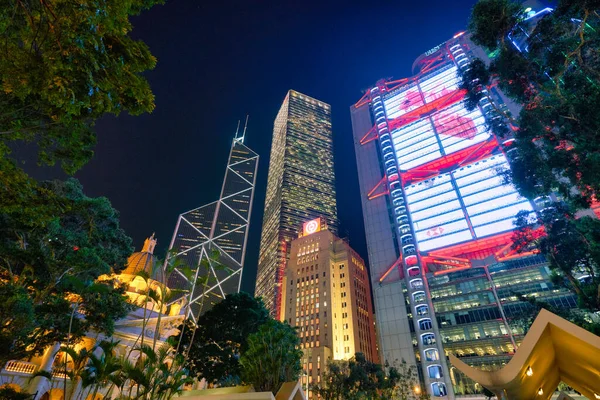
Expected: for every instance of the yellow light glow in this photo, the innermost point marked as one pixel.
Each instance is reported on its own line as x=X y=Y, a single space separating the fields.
x=540 y=391
x=597 y=396
x=529 y=371
x=417 y=390
x=312 y=226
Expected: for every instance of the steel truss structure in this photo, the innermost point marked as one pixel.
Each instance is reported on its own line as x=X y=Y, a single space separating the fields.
x=210 y=241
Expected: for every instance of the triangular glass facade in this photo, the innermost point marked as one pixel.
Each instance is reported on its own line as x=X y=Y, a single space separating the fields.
x=210 y=241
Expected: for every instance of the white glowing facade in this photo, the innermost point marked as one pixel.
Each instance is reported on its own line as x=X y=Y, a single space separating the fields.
x=468 y=203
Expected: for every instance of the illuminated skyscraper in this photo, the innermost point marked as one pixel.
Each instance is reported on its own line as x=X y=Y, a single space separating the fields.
x=327 y=297
x=439 y=220
x=300 y=186
x=211 y=240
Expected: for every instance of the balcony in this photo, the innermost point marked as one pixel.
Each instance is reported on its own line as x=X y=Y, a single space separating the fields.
x=20 y=367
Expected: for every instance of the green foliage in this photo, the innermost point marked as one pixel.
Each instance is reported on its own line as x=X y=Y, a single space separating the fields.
x=557 y=143
x=492 y=20
x=272 y=358
x=571 y=246
x=222 y=336
x=157 y=374
x=55 y=242
x=358 y=379
x=148 y=375
x=8 y=393
x=557 y=81
x=64 y=64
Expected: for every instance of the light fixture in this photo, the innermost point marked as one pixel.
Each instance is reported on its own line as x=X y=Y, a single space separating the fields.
x=597 y=396
x=417 y=390
x=529 y=371
x=540 y=391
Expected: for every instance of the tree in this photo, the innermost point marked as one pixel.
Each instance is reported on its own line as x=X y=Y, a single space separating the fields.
x=557 y=81
x=63 y=65
x=222 y=336
x=159 y=374
x=557 y=133
x=9 y=393
x=408 y=387
x=368 y=380
x=333 y=385
x=51 y=263
x=102 y=370
x=571 y=246
x=359 y=378
x=272 y=358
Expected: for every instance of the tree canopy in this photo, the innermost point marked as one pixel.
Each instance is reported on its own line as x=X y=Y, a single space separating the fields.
x=49 y=266
x=222 y=336
x=63 y=64
x=272 y=358
x=555 y=75
x=358 y=379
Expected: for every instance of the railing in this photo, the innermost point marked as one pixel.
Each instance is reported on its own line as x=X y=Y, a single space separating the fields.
x=21 y=367
x=59 y=374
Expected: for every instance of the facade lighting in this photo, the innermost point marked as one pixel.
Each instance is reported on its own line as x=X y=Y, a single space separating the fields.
x=597 y=396
x=529 y=371
x=540 y=391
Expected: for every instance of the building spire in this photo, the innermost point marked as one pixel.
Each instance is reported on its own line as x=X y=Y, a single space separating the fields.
x=243 y=135
x=149 y=245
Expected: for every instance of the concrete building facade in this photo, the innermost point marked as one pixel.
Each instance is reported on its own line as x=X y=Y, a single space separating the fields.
x=327 y=297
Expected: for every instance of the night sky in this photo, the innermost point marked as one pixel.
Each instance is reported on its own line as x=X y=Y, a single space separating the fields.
x=221 y=60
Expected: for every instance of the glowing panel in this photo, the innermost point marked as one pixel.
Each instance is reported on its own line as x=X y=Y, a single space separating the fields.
x=445 y=132
x=490 y=202
x=458 y=128
x=440 y=83
x=437 y=217
x=443 y=208
x=312 y=226
x=405 y=100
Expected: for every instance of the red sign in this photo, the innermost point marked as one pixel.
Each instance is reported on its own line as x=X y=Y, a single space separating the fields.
x=435 y=231
x=312 y=226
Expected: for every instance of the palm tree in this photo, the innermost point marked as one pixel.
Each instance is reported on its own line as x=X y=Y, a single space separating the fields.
x=155 y=375
x=102 y=370
x=73 y=370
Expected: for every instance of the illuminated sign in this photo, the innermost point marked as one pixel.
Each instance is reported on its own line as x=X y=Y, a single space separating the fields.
x=436 y=133
x=431 y=51
x=312 y=226
x=469 y=203
x=449 y=130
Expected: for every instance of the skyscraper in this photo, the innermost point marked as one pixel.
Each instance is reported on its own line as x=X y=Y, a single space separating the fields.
x=300 y=186
x=439 y=220
x=211 y=240
x=327 y=296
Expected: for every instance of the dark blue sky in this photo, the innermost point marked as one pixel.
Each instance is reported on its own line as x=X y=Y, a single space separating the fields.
x=221 y=60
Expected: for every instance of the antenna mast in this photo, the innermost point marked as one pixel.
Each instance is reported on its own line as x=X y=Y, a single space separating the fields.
x=245 y=127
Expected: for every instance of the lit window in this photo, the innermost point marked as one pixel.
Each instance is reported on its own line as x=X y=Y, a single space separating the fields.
x=432 y=355
x=439 y=389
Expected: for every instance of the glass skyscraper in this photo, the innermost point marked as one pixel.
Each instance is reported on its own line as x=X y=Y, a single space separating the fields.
x=301 y=186
x=439 y=221
x=211 y=240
